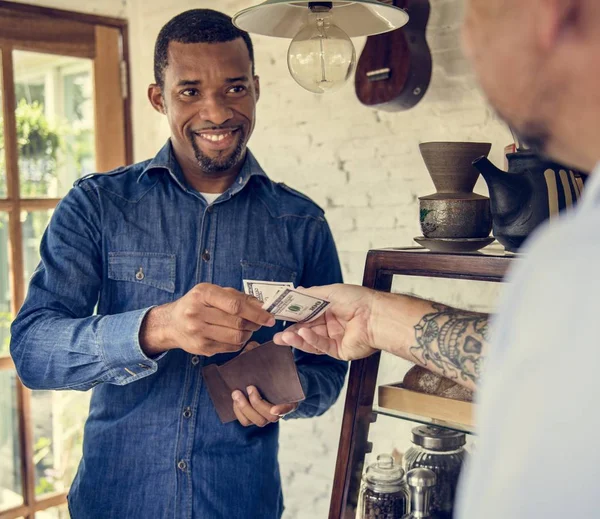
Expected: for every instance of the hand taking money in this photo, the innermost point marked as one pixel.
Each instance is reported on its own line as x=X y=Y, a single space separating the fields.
x=344 y=330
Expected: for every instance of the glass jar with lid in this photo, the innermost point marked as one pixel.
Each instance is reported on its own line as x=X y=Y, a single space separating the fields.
x=441 y=451
x=384 y=494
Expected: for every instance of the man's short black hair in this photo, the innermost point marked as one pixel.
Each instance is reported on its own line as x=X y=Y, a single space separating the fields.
x=196 y=26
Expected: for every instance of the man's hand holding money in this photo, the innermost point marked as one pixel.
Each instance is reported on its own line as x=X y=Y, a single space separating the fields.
x=208 y=320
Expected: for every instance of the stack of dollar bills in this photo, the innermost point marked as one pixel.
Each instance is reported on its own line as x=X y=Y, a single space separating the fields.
x=284 y=302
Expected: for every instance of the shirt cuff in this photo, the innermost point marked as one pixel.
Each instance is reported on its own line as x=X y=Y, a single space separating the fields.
x=119 y=337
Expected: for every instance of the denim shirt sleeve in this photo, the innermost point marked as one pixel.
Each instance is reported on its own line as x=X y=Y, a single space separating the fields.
x=56 y=341
x=322 y=377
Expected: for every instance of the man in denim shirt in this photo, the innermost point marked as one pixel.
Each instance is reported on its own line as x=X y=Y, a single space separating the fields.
x=161 y=247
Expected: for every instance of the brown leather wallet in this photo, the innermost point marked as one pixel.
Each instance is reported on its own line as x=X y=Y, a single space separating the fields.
x=270 y=368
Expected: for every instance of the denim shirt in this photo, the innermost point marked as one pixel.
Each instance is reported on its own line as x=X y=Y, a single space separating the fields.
x=120 y=243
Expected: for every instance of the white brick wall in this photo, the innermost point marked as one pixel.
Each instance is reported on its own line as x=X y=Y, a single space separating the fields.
x=116 y=8
x=362 y=166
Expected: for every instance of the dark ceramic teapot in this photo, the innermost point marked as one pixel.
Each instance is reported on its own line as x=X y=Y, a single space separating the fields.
x=533 y=190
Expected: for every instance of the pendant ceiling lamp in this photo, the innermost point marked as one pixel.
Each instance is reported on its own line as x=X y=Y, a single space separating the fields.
x=321 y=56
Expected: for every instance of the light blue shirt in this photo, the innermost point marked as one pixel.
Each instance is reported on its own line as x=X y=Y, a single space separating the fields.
x=539 y=413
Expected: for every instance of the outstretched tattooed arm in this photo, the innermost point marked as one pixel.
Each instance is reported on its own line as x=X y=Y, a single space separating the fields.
x=360 y=321
x=445 y=340
x=451 y=342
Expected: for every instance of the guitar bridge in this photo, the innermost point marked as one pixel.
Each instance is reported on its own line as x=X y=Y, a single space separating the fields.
x=381 y=74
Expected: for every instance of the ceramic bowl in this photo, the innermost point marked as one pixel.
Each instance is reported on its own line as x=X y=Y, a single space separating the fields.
x=456 y=217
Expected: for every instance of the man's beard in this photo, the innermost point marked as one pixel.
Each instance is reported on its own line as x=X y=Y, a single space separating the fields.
x=534 y=136
x=219 y=165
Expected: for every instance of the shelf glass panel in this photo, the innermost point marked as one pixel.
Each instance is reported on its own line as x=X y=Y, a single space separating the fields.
x=388 y=435
x=415 y=419
x=466 y=294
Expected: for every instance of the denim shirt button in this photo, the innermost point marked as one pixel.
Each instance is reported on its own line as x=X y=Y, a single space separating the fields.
x=182 y=465
x=209 y=209
x=187 y=412
x=195 y=360
x=206 y=255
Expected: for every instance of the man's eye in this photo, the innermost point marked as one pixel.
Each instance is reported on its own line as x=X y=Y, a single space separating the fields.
x=237 y=89
x=188 y=92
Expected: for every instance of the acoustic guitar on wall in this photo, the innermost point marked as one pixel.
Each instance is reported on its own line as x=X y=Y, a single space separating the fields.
x=394 y=69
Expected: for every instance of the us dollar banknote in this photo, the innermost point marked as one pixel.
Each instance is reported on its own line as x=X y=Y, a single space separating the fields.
x=264 y=290
x=290 y=305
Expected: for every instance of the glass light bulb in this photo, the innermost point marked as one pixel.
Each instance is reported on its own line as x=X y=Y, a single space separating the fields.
x=321 y=56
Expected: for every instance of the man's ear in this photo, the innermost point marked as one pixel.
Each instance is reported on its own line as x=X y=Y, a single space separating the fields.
x=554 y=18
x=156 y=98
x=257 y=87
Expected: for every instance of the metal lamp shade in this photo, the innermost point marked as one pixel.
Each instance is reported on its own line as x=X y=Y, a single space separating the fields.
x=284 y=18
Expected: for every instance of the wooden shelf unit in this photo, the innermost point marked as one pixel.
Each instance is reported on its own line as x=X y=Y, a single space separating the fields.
x=382 y=265
x=397 y=401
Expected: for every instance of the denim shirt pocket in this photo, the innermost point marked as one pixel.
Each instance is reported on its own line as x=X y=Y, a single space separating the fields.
x=141 y=279
x=262 y=271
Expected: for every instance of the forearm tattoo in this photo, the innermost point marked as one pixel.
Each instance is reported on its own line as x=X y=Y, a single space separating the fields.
x=453 y=341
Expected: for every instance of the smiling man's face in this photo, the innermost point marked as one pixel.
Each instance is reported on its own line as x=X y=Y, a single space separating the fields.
x=209 y=97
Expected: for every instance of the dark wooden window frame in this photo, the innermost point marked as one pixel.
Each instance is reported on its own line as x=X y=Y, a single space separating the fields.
x=18 y=31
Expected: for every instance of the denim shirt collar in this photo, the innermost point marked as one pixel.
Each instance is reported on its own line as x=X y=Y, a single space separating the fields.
x=165 y=160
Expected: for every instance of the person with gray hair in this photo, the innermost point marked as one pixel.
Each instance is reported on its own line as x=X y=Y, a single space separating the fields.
x=537 y=371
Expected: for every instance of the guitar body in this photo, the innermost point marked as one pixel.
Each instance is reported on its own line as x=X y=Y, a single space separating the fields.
x=394 y=69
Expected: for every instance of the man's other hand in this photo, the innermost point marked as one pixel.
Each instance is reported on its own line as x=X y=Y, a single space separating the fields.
x=256 y=411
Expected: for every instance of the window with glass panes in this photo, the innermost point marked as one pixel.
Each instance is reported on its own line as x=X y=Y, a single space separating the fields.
x=51 y=118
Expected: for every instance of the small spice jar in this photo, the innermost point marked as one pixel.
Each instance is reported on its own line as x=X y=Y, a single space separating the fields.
x=441 y=451
x=384 y=494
